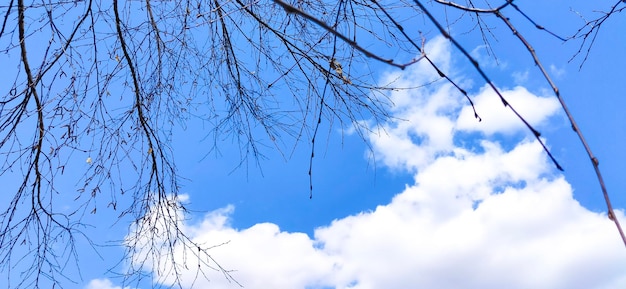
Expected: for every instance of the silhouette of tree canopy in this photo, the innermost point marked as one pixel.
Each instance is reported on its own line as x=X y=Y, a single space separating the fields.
x=106 y=82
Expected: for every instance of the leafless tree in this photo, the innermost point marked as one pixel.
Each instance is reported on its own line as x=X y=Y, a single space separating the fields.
x=106 y=82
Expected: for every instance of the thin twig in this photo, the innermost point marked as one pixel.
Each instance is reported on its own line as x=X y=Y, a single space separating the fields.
x=540 y=27
x=482 y=73
x=425 y=56
x=472 y=9
x=575 y=127
x=290 y=9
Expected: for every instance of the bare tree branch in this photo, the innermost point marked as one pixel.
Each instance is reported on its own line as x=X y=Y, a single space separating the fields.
x=570 y=117
x=96 y=89
x=591 y=29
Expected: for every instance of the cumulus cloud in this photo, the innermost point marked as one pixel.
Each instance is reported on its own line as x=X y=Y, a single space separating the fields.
x=102 y=284
x=498 y=119
x=476 y=217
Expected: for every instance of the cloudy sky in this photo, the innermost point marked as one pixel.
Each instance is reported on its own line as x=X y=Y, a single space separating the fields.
x=439 y=200
x=450 y=202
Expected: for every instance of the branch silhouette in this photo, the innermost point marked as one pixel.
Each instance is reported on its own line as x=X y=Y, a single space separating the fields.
x=593 y=29
x=570 y=117
x=98 y=89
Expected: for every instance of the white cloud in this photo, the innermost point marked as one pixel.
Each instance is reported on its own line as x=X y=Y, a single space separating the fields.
x=102 y=284
x=485 y=56
x=557 y=72
x=474 y=218
x=498 y=119
x=520 y=78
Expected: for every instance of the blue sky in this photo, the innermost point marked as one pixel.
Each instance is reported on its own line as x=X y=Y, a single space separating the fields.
x=440 y=200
